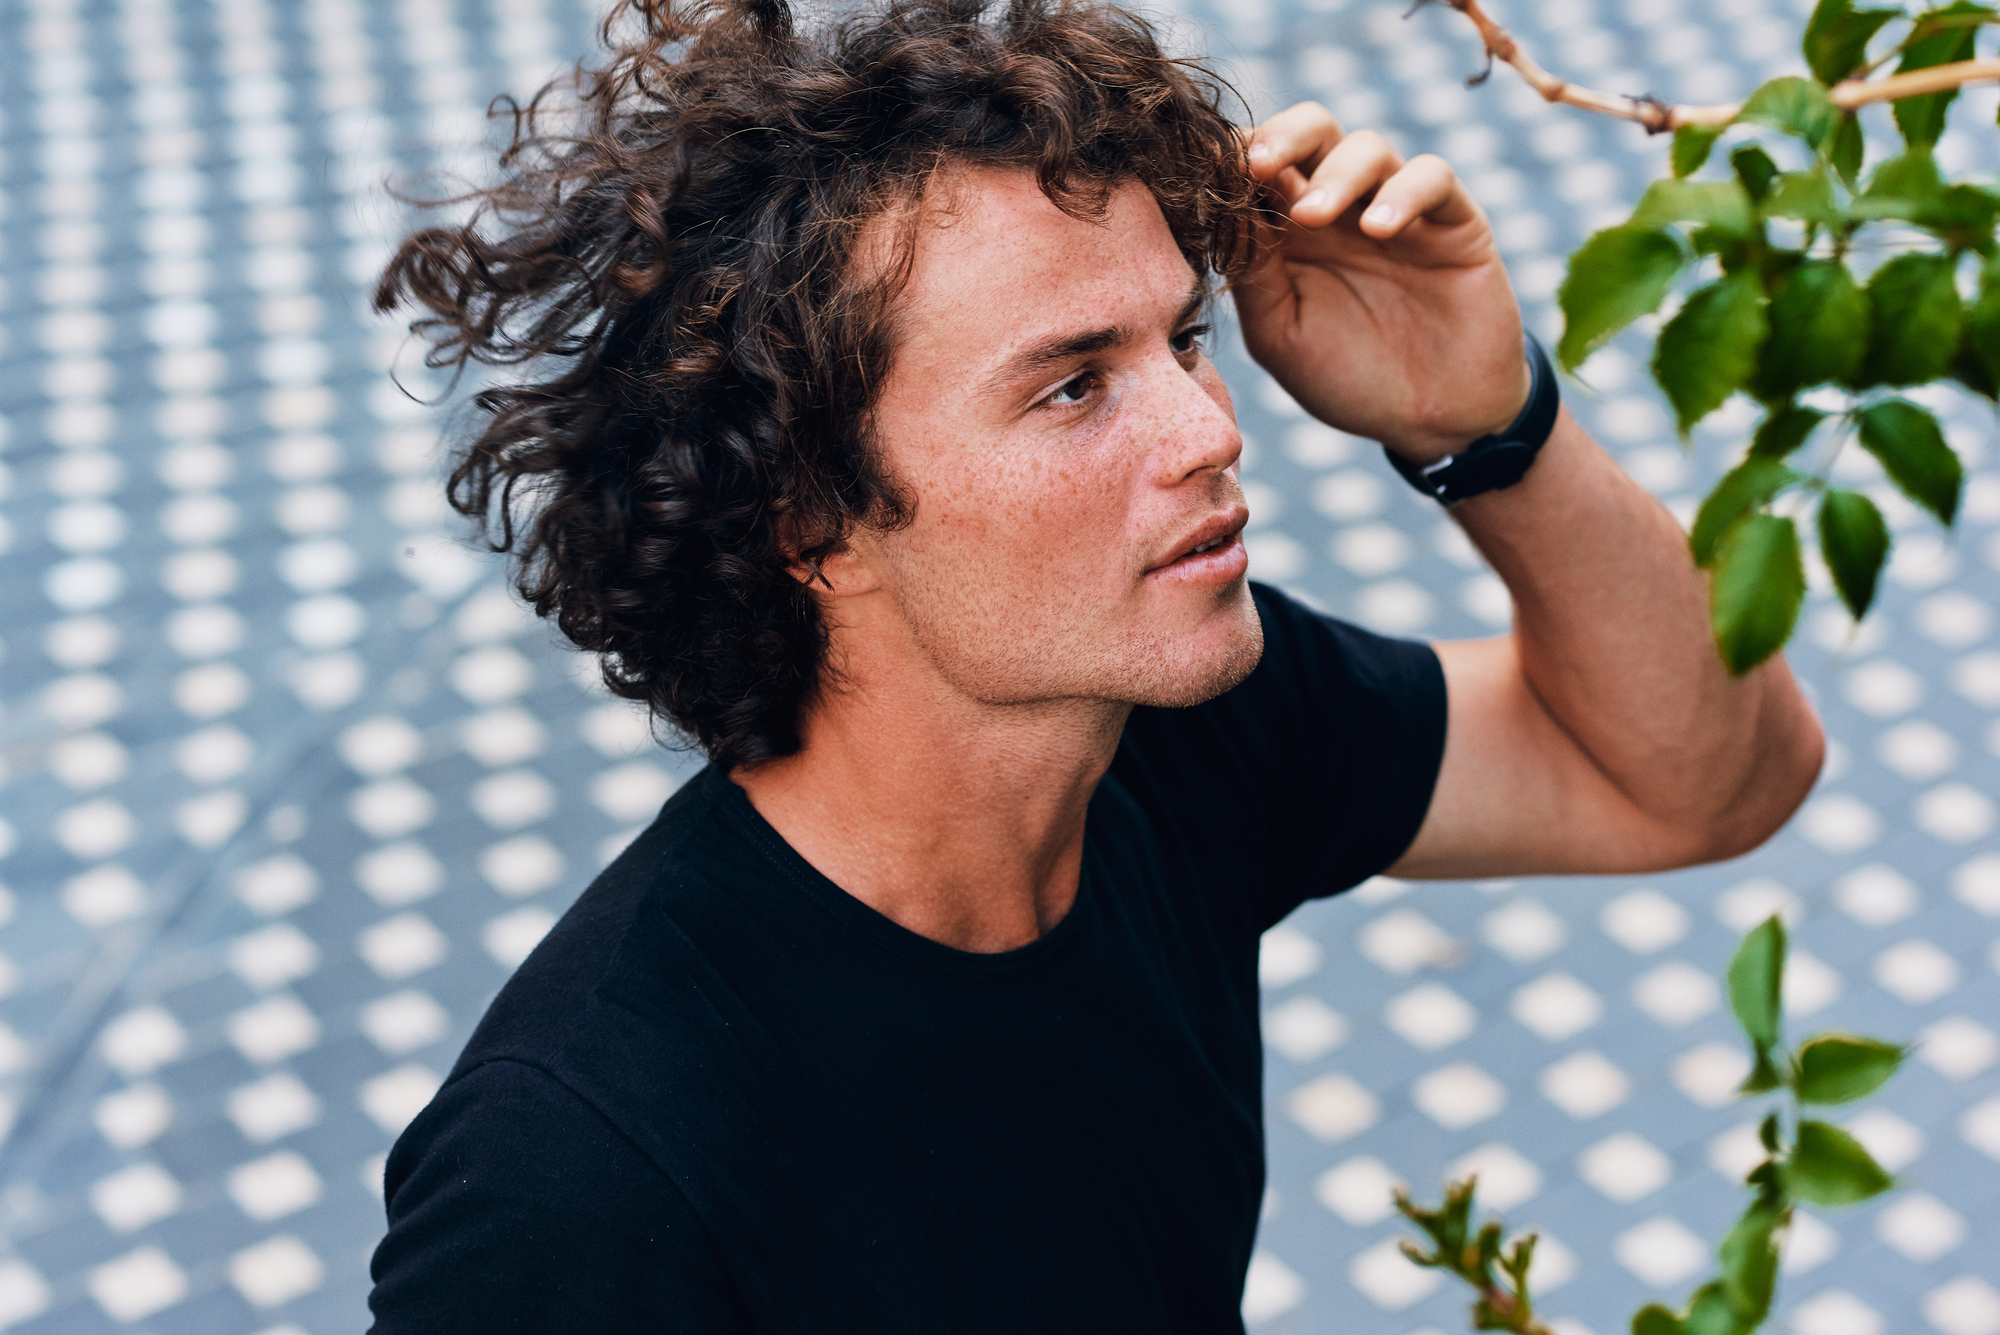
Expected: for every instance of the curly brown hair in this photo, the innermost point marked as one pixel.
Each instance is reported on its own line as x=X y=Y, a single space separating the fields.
x=669 y=255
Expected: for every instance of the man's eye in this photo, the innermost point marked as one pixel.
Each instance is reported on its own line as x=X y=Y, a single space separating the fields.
x=1189 y=340
x=1074 y=391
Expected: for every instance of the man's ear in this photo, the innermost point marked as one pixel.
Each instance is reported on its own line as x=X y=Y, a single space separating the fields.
x=836 y=569
x=843 y=572
x=817 y=573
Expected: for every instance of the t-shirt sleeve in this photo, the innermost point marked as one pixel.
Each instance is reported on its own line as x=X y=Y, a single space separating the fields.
x=1349 y=727
x=1315 y=771
x=515 y=1206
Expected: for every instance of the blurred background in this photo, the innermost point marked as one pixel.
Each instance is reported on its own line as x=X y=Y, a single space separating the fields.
x=290 y=784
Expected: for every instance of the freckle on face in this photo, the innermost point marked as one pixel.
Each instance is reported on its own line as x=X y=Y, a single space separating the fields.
x=1023 y=573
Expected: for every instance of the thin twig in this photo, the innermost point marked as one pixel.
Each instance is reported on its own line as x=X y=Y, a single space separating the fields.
x=1656 y=116
x=1868 y=67
x=1857 y=93
x=1933 y=24
x=1661 y=117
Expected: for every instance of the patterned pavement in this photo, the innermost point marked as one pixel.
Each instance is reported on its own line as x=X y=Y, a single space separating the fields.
x=288 y=785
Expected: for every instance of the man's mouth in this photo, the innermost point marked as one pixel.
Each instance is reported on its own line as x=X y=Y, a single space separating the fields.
x=1202 y=549
x=1215 y=540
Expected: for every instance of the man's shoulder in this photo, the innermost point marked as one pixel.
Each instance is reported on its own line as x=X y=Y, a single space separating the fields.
x=618 y=948
x=1323 y=758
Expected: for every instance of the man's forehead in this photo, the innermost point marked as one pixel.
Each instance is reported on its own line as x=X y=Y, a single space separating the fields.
x=974 y=221
x=996 y=264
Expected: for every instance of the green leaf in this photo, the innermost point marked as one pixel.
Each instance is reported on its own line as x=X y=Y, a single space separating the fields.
x=1807 y=196
x=1836 y=40
x=1764 y=1074
x=1784 y=430
x=1709 y=349
x=1691 y=147
x=1709 y=1312
x=1913 y=452
x=1756 y=977
x=1750 y=1263
x=1731 y=248
x=1914 y=320
x=1921 y=119
x=1754 y=168
x=1829 y=1167
x=1767 y=1132
x=1963 y=213
x=1796 y=106
x=1906 y=186
x=1619 y=275
x=1741 y=490
x=1839 y=1068
x=1768 y=1179
x=1653 y=1319
x=1755 y=592
x=1855 y=541
x=1982 y=334
x=1848 y=149
x=1819 y=330
x=1717 y=203
x=1973 y=373
x=1909 y=186
x=1911 y=174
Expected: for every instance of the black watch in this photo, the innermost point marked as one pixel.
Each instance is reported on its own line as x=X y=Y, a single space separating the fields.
x=1497 y=461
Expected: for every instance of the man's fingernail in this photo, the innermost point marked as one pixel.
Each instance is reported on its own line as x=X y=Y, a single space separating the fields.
x=1312 y=200
x=1381 y=214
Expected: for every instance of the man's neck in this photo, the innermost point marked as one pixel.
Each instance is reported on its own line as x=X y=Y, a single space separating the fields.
x=960 y=821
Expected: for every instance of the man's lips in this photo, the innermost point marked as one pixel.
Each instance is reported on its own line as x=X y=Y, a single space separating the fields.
x=1216 y=536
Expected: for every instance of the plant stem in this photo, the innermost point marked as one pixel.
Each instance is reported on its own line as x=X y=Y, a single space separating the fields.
x=1925 y=29
x=1938 y=78
x=1502 y=1302
x=1654 y=115
x=1662 y=117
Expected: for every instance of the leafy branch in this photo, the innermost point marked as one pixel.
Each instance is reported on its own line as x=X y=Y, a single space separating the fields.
x=1773 y=308
x=1816 y=1164
x=1473 y=1259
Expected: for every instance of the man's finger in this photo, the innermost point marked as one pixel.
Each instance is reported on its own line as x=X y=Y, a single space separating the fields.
x=1298 y=137
x=1356 y=165
x=1426 y=187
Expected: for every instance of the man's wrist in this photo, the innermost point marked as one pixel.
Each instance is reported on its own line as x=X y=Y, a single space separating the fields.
x=1494 y=461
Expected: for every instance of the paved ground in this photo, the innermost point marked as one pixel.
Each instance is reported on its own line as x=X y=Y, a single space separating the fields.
x=290 y=785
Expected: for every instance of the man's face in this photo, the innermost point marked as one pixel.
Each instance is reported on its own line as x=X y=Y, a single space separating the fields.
x=1068 y=448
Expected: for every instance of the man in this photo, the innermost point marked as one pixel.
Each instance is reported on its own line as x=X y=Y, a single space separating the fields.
x=873 y=444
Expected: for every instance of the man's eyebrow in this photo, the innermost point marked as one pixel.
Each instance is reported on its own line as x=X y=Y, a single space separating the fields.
x=1038 y=357
x=1197 y=298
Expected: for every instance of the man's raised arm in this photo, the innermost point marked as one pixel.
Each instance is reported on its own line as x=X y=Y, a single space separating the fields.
x=1603 y=734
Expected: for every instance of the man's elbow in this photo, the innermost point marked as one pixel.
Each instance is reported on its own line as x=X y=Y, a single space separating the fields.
x=1783 y=768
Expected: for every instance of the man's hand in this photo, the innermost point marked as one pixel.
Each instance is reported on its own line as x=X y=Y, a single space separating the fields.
x=1381 y=304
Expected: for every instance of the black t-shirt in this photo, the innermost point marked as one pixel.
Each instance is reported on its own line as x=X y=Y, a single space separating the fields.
x=724 y=1095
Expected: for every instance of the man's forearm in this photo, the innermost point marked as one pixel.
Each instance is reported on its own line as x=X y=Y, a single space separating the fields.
x=1611 y=632
x=1604 y=735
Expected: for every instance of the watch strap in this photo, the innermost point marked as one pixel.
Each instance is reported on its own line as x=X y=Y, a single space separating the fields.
x=1499 y=460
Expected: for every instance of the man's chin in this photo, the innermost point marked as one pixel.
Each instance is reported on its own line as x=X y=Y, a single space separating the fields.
x=1220 y=657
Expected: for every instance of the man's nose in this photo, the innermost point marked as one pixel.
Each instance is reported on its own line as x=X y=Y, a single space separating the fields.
x=1197 y=431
